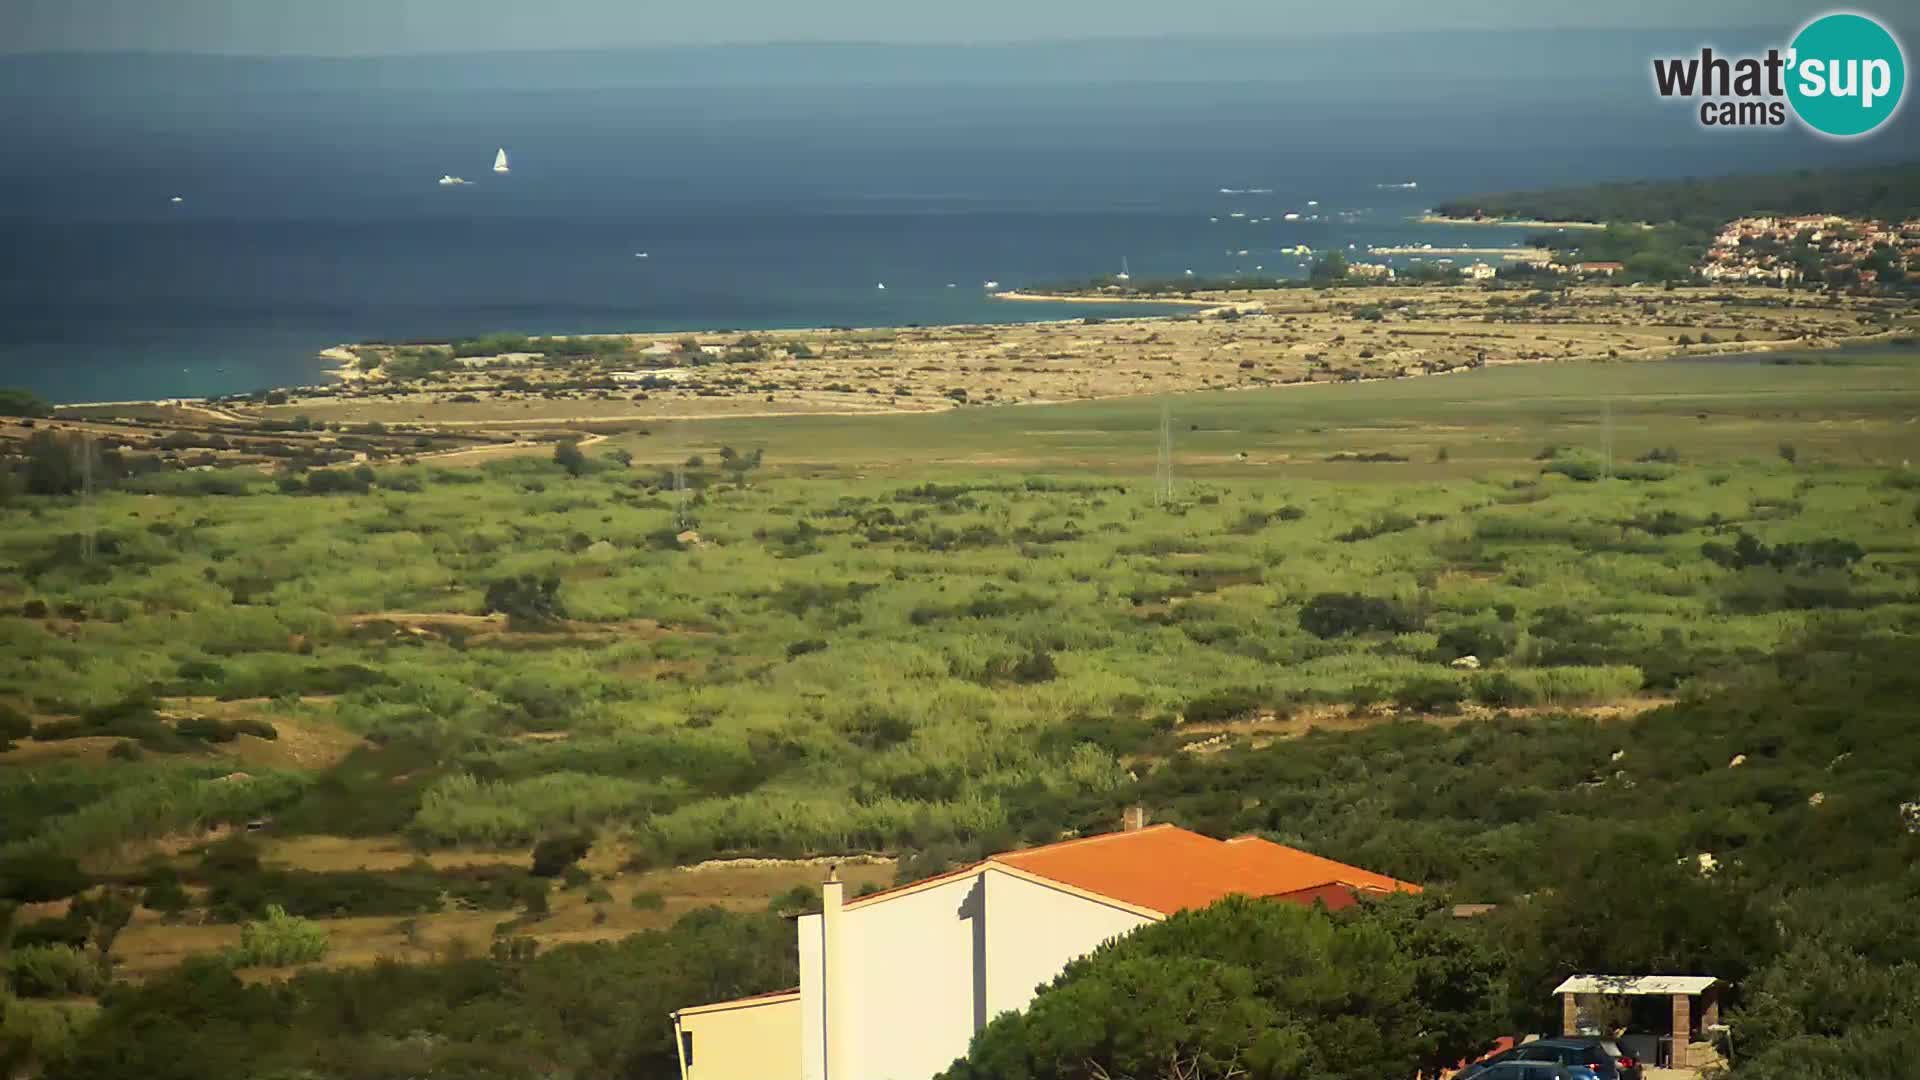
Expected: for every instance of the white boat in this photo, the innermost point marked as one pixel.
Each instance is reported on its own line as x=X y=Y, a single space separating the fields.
x=500 y=161
x=176 y=199
x=450 y=180
x=989 y=284
x=639 y=254
x=882 y=285
x=1292 y=217
x=1123 y=275
x=1313 y=202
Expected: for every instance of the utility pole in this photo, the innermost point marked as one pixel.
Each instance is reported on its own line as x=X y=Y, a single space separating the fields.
x=86 y=494
x=680 y=496
x=1607 y=438
x=1163 y=468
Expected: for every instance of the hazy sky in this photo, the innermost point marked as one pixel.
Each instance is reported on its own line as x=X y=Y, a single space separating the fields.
x=337 y=27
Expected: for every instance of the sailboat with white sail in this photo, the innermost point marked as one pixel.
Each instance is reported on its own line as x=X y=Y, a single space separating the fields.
x=500 y=161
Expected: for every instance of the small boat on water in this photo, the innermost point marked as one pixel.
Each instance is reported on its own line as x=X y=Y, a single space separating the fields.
x=176 y=200
x=1123 y=275
x=500 y=161
x=882 y=285
x=449 y=180
x=989 y=284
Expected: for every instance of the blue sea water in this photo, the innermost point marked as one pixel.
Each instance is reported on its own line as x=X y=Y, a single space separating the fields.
x=310 y=215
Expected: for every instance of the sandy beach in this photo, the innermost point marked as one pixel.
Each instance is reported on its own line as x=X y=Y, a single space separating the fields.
x=1089 y=298
x=1530 y=253
x=346 y=365
x=1515 y=223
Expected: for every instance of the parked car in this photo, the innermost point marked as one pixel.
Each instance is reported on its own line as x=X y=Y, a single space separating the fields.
x=1631 y=1068
x=1590 y=1054
x=1532 y=1070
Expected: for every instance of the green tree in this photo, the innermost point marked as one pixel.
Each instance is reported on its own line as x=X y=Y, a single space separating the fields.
x=37 y=878
x=1328 y=269
x=15 y=402
x=568 y=455
x=103 y=915
x=555 y=855
x=1628 y=904
x=14 y=724
x=1259 y=989
x=1459 y=975
x=528 y=599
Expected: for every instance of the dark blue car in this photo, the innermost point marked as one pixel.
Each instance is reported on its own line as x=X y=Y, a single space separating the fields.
x=1533 y=1070
x=1587 y=1054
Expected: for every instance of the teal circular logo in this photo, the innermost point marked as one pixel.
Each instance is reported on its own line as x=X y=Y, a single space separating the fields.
x=1847 y=74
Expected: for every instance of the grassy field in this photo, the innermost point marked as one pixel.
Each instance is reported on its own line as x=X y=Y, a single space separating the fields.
x=1851 y=404
x=921 y=636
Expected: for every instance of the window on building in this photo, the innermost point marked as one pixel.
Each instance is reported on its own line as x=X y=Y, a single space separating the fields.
x=686 y=1049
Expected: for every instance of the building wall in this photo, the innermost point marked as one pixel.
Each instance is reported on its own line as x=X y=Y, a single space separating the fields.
x=812 y=1051
x=750 y=1042
x=1034 y=930
x=916 y=969
x=928 y=969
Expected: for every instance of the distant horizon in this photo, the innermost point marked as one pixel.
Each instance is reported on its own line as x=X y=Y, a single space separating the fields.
x=352 y=28
x=1237 y=40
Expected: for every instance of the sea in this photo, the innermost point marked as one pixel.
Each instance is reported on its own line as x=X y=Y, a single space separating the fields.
x=768 y=189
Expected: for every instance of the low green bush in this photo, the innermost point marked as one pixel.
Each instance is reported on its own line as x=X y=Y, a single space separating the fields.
x=279 y=940
x=53 y=971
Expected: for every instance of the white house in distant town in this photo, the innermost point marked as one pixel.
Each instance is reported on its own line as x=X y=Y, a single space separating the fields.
x=894 y=985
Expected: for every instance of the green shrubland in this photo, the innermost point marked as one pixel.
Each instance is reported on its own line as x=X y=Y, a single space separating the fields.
x=877 y=664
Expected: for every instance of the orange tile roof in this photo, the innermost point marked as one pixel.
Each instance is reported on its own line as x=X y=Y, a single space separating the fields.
x=1311 y=869
x=1165 y=868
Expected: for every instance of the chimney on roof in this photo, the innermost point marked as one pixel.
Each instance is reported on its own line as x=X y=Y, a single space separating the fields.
x=837 y=1011
x=1134 y=819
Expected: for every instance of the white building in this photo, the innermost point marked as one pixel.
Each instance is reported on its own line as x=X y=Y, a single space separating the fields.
x=894 y=985
x=1480 y=271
